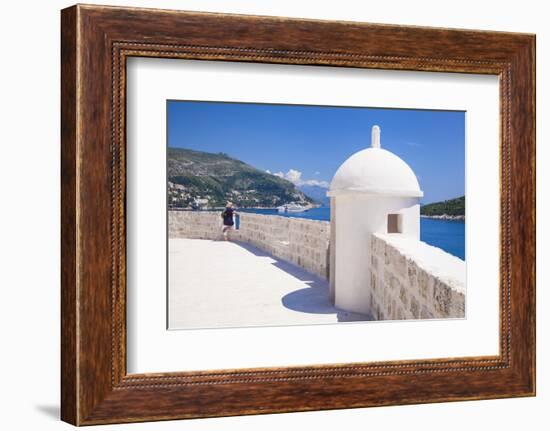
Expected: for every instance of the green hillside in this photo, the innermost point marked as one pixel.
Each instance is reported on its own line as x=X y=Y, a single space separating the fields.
x=451 y=207
x=197 y=178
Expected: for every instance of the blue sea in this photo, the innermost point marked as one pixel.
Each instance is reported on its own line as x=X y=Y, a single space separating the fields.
x=446 y=234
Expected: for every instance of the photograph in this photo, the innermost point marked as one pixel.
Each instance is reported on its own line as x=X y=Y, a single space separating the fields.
x=283 y=215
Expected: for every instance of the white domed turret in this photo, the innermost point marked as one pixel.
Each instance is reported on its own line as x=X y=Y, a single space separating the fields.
x=375 y=171
x=374 y=191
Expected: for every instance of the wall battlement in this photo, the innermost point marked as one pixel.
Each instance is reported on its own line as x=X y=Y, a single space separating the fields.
x=414 y=280
x=409 y=279
x=302 y=242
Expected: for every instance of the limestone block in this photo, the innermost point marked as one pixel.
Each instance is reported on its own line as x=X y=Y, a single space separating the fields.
x=395 y=284
x=399 y=314
x=387 y=254
x=458 y=305
x=411 y=274
x=403 y=296
x=372 y=302
x=379 y=315
x=387 y=276
x=373 y=281
x=442 y=295
x=374 y=262
x=399 y=263
x=424 y=283
x=415 y=307
x=386 y=297
x=425 y=313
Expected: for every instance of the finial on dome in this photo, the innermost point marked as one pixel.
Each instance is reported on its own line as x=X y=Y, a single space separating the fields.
x=375 y=139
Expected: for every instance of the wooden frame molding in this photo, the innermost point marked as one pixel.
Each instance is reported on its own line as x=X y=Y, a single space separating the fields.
x=95 y=43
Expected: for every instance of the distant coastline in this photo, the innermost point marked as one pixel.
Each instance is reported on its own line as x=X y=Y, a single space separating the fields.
x=445 y=217
x=451 y=209
x=306 y=208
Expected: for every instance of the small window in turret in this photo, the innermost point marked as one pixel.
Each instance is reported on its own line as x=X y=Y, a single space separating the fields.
x=394 y=223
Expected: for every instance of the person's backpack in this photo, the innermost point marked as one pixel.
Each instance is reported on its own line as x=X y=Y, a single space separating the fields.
x=223 y=214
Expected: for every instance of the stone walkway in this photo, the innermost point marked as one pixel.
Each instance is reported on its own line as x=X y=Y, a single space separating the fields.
x=216 y=284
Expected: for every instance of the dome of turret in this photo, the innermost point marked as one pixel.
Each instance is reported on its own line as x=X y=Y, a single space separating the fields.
x=375 y=170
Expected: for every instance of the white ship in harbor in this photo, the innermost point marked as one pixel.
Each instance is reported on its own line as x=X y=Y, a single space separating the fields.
x=292 y=208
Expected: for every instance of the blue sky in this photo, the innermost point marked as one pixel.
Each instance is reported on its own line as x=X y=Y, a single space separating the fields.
x=307 y=144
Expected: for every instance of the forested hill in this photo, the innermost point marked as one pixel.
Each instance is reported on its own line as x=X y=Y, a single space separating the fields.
x=451 y=207
x=208 y=180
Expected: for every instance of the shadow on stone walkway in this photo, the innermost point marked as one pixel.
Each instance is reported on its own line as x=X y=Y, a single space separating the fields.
x=314 y=299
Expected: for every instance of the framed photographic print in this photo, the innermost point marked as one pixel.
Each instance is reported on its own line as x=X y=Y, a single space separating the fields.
x=279 y=222
x=265 y=215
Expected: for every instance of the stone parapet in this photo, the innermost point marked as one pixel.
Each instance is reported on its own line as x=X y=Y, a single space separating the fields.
x=413 y=280
x=300 y=241
x=194 y=224
x=409 y=279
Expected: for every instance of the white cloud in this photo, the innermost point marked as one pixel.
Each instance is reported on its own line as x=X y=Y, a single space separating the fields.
x=295 y=176
x=318 y=183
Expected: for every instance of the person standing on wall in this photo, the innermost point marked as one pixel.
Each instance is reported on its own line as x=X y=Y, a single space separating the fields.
x=228 y=216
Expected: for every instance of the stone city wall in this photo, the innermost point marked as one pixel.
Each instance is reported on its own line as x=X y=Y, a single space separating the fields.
x=302 y=242
x=409 y=279
x=194 y=224
x=413 y=280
